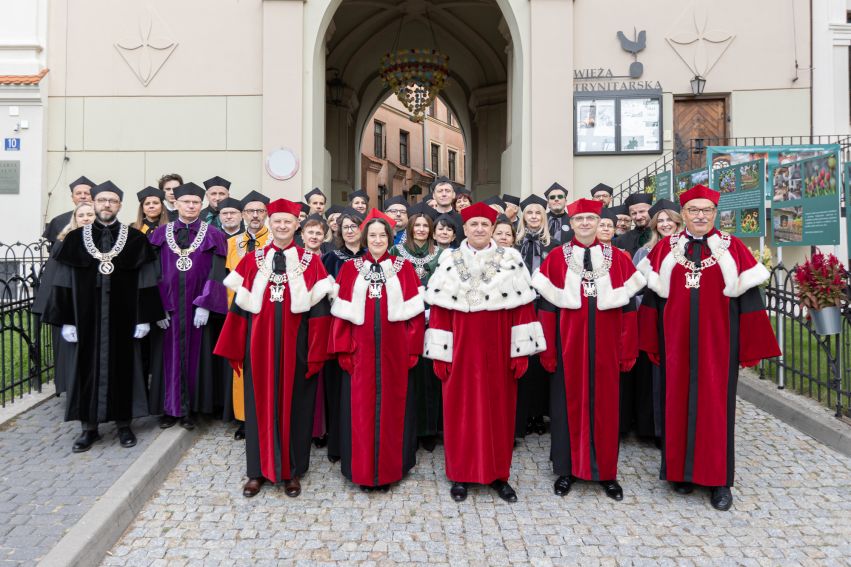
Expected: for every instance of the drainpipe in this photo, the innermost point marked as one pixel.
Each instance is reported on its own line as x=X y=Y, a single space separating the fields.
x=812 y=66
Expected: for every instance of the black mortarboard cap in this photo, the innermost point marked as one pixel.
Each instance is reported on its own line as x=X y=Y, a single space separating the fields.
x=333 y=210
x=312 y=192
x=82 y=180
x=217 y=182
x=502 y=219
x=449 y=219
x=638 y=199
x=150 y=192
x=255 y=197
x=359 y=193
x=513 y=199
x=553 y=187
x=461 y=190
x=602 y=187
x=230 y=203
x=107 y=186
x=495 y=200
x=664 y=205
x=305 y=208
x=618 y=210
x=533 y=200
x=189 y=189
x=315 y=217
x=610 y=213
x=397 y=200
x=349 y=211
x=422 y=208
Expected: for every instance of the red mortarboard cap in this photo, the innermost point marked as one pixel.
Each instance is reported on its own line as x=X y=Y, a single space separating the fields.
x=478 y=210
x=283 y=206
x=376 y=214
x=699 y=192
x=585 y=206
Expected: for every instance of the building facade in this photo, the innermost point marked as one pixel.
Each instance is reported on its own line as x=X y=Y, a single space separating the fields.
x=574 y=91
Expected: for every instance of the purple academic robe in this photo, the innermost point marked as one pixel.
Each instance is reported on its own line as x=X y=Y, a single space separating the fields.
x=177 y=388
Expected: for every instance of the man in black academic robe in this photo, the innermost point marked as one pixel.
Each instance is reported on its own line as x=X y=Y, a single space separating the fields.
x=557 y=220
x=104 y=296
x=80 y=191
x=638 y=205
x=217 y=190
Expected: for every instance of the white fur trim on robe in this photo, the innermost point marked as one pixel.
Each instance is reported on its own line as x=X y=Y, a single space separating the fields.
x=438 y=345
x=735 y=284
x=301 y=300
x=527 y=339
x=510 y=287
x=398 y=309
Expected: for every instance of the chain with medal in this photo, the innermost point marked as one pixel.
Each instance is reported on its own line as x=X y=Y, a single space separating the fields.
x=419 y=263
x=184 y=262
x=589 y=285
x=474 y=295
x=695 y=271
x=279 y=281
x=376 y=279
x=105 y=258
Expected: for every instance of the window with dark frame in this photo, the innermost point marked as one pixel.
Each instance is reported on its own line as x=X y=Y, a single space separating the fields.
x=607 y=123
x=435 y=158
x=451 y=161
x=432 y=109
x=403 y=147
x=378 y=147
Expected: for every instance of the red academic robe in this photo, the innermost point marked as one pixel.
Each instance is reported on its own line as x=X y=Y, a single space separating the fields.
x=480 y=336
x=701 y=336
x=590 y=341
x=377 y=340
x=285 y=344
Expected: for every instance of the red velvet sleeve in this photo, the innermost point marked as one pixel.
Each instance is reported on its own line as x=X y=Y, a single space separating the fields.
x=440 y=319
x=231 y=343
x=648 y=334
x=415 y=329
x=547 y=318
x=629 y=339
x=319 y=322
x=340 y=338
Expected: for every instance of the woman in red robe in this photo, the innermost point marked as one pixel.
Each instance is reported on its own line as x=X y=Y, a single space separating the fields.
x=377 y=333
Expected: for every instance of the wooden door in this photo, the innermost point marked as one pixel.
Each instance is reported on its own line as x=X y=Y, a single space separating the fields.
x=697 y=124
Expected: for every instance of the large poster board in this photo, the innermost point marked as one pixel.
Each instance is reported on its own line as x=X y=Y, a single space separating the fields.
x=688 y=179
x=741 y=207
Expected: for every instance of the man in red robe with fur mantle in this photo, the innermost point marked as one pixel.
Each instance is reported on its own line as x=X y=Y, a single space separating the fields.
x=277 y=333
x=588 y=314
x=482 y=330
x=701 y=318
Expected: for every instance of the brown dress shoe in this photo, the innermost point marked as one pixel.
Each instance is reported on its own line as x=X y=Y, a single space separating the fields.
x=292 y=487
x=252 y=487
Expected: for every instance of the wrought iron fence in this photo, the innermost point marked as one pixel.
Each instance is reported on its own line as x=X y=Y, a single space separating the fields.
x=26 y=346
x=813 y=365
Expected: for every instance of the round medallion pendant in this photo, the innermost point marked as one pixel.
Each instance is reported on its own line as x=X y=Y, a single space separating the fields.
x=184 y=263
x=106 y=268
x=475 y=297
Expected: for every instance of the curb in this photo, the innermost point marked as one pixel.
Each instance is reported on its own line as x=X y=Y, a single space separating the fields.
x=88 y=541
x=26 y=402
x=805 y=415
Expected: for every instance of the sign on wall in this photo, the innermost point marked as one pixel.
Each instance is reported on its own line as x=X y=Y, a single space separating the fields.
x=10 y=177
x=741 y=207
x=12 y=144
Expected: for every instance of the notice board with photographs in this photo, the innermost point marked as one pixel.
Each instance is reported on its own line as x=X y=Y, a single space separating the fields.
x=617 y=122
x=741 y=206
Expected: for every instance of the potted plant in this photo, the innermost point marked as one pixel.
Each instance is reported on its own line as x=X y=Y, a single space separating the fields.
x=820 y=284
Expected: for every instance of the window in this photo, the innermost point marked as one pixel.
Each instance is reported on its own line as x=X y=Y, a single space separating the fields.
x=435 y=158
x=403 y=147
x=432 y=109
x=378 y=147
x=449 y=118
x=451 y=160
x=618 y=123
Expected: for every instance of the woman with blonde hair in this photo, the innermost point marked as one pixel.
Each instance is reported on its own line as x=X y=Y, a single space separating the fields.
x=83 y=214
x=665 y=220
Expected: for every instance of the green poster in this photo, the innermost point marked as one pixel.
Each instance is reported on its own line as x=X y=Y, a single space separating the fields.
x=848 y=201
x=663 y=186
x=741 y=207
x=805 y=201
x=688 y=179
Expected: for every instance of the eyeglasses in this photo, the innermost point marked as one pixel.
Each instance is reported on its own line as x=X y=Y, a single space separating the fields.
x=556 y=197
x=396 y=211
x=252 y=212
x=107 y=201
x=695 y=212
x=349 y=228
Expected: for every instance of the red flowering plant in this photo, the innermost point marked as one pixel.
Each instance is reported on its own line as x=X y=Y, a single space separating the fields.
x=821 y=282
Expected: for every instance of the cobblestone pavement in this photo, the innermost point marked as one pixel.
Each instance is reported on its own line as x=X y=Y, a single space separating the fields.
x=44 y=487
x=792 y=507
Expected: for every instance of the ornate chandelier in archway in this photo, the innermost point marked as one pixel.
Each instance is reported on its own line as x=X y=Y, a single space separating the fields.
x=416 y=76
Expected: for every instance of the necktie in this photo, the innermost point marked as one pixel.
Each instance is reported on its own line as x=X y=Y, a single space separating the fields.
x=183 y=237
x=251 y=244
x=280 y=262
x=586 y=261
x=105 y=243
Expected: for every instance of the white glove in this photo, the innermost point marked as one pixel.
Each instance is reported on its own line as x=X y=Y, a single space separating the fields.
x=69 y=333
x=141 y=330
x=201 y=316
x=163 y=323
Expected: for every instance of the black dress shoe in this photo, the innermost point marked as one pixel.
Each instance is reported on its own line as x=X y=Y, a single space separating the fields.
x=613 y=489
x=334 y=458
x=562 y=485
x=239 y=434
x=539 y=425
x=85 y=441
x=429 y=442
x=252 y=487
x=721 y=498
x=167 y=421
x=385 y=488
x=683 y=487
x=320 y=442
x=126 y=437
x=292 y=487
x=458 y=491
x=187 y=423
x=504 y=490
x=365 y=488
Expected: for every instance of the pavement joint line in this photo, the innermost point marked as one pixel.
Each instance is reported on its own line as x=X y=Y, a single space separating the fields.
x=25 y=403
x=89 y=540
x=806 y=415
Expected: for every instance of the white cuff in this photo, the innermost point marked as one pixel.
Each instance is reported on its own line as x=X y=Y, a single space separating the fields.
x=527 y=339
x=438 y=345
